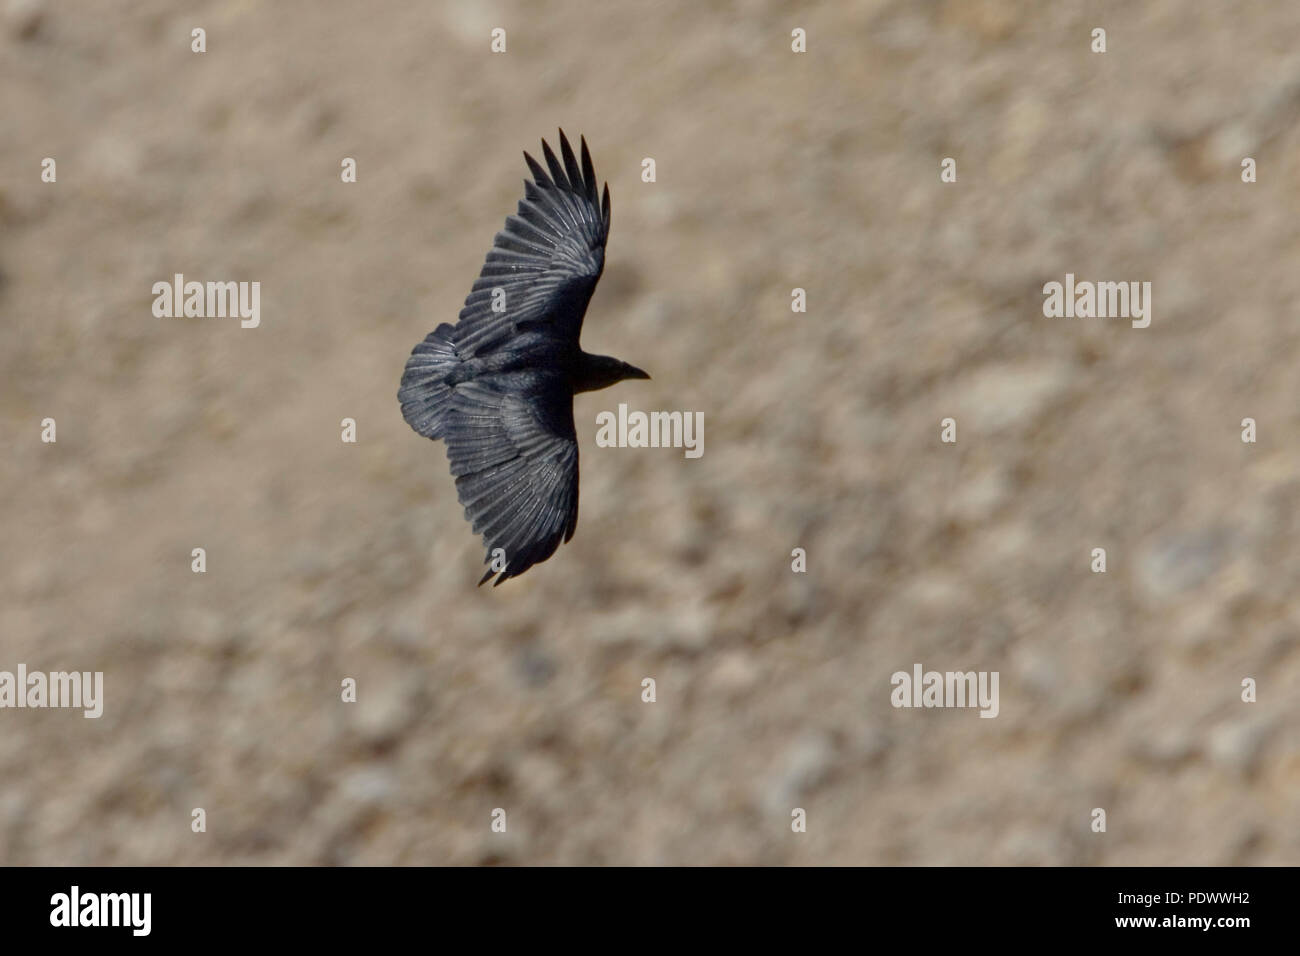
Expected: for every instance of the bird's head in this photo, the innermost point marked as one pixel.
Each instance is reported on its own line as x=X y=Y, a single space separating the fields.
x=601 y=371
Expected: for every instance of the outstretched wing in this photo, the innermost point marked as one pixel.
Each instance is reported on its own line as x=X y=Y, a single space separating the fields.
x=546 y=261
x=514 y=454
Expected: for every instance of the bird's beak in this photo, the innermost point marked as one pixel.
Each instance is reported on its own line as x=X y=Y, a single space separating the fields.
x=634 y=372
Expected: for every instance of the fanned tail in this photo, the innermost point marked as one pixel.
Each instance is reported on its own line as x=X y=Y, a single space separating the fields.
x=424 y=396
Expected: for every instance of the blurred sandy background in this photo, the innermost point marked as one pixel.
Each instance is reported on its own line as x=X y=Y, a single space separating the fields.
x=775 y=170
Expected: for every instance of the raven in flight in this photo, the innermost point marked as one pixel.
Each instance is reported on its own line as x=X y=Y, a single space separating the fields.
x=497 y=387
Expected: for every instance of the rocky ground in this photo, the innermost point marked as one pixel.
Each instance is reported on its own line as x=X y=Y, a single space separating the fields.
x=775 y=170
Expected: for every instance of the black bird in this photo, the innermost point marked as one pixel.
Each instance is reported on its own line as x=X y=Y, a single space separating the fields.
x=498 y=386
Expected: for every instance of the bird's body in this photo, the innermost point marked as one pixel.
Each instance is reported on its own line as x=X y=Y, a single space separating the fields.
x=497 y=387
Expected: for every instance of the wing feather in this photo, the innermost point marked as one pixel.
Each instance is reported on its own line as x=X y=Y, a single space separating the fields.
x=548 y=258
x=514 y=453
